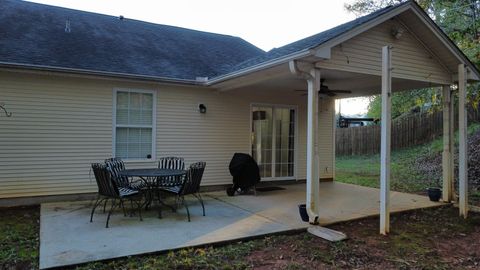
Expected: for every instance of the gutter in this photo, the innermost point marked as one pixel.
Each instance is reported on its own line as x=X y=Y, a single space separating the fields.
x=260 y=66
x=100 y=73
x=313 y=193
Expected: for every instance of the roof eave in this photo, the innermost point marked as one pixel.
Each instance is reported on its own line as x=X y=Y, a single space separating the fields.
x=76 y=71
x=261 y=66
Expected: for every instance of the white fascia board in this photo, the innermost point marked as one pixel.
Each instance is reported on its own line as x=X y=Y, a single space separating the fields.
x=471 y=76
x=323 y=52
x=260 y=66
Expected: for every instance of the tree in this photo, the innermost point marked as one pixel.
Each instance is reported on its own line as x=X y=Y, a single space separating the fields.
x=419 y=100
x=459 y=19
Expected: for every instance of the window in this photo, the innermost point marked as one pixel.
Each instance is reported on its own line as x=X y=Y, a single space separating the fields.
x=134 y=124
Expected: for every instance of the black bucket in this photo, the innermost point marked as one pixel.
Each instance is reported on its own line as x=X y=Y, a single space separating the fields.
x=434 y=194
x=302 y=209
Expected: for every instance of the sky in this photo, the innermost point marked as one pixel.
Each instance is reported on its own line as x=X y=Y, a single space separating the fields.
x=265 y=23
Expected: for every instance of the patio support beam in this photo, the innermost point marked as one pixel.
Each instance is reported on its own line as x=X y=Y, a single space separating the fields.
x=313 y=182
x=462 y=141
x=447 y=155
x=313 y=166
x=385 y=140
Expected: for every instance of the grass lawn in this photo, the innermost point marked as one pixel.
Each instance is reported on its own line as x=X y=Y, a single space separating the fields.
x=19 y=239
x=365 y=170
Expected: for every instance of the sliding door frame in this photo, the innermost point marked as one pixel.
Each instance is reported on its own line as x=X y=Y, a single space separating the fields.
x=295 y=150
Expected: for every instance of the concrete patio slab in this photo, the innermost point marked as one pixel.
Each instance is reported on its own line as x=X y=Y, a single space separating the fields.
x=67 y=237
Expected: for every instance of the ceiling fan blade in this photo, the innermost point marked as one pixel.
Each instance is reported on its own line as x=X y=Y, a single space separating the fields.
x=341 y=91
x=330 y=94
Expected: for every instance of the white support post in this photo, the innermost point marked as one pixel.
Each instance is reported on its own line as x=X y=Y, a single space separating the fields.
x=452 y=143
x=385 y=140
x=447 y=168
x=313 y=185
x=462 y=142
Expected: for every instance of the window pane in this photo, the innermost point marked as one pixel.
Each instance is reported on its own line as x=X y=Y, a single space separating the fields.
x=146 y=135
x=135 y=117
x=134 y=109
x=121 y=150
x=122 y=135
x=134 y=150
x=122 y=100
x=122 y=116
x=145 y=117
x=147 y=101
x=135 y=100
x=133 y=142
x=145 y=150
x=134 y=135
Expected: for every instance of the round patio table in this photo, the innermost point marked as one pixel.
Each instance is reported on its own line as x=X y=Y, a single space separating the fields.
x=154 y=179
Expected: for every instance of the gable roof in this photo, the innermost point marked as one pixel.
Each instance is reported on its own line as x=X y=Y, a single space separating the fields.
x=305 y=47
x=34 y=34
x=312 y=41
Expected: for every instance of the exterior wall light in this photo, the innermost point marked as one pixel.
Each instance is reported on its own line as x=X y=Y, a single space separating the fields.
x=397 y=32
x=202 y=108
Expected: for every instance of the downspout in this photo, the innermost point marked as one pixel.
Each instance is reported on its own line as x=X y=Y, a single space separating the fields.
x=313 y=197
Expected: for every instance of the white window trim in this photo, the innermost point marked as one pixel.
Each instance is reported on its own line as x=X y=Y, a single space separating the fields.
x=154 y=122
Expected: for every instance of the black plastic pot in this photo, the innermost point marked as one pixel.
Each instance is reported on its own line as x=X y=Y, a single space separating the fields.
x=434 y=194
x=302 y=209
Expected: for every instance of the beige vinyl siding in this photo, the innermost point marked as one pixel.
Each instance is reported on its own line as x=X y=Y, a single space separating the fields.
x=420 y=30
x=363 y=54
x=62 y=124
x=57 y=129
x=326 y=141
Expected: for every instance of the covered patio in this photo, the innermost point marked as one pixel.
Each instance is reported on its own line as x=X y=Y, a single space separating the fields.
x=67 y=237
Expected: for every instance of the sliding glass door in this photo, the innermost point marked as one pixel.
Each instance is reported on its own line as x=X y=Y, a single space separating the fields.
x=273 y=140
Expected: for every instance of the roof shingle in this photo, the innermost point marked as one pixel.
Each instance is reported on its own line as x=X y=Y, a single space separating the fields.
x=34 y=34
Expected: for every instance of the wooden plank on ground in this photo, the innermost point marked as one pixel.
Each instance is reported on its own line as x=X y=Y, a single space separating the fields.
x=327 y=234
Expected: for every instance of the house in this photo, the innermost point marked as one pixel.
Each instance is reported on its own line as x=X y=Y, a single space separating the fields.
x=83 y=87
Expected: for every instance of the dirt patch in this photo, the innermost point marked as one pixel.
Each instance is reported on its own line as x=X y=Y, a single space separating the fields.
x=430 y=166
x=425 y=239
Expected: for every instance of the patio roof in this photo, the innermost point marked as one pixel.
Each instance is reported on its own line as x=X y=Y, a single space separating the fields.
x=67 y=237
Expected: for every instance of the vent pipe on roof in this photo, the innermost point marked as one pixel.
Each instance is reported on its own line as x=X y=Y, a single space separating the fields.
x=67 y=26
x=121 y=17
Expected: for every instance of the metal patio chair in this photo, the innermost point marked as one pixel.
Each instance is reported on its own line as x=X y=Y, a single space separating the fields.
x=108 y=190
x=116 y=165
x=175 y=163
x=190 y=186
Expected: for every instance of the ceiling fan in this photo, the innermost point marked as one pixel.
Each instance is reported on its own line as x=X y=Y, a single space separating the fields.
x=326 y=91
